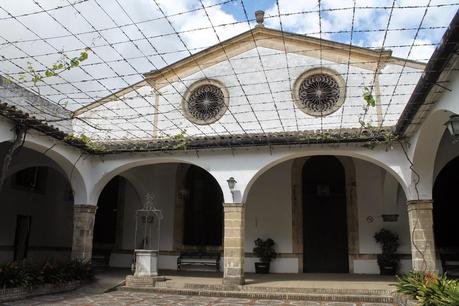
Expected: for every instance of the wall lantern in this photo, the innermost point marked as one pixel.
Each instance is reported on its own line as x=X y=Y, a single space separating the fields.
x=231 y=183
x=453 y=127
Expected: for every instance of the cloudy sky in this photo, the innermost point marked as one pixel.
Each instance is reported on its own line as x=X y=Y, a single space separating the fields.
x=131 y=37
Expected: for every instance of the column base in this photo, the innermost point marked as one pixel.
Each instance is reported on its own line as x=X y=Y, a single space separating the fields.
x=233 y=281
x=146 y=263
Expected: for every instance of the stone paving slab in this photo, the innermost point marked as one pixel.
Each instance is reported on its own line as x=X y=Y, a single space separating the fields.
x=83 y=297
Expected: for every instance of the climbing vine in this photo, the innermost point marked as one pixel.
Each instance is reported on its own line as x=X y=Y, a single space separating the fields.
x=62 y=64
x=86 y=143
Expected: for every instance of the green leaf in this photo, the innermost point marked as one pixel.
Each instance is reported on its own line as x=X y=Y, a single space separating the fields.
x=49 y=73
x=37 y=78
x=368 y=97
x=83 y=56
x=74 y=62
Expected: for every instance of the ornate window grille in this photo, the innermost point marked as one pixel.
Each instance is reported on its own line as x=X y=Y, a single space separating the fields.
x=319 y=92
x=205 y=102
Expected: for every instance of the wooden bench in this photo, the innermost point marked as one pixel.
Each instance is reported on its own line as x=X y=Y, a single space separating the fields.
x=450 y=264
x=200 y=259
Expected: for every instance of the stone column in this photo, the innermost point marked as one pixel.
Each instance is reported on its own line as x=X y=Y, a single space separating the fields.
x=233 y=248
x=422 y=236
x=83 y=227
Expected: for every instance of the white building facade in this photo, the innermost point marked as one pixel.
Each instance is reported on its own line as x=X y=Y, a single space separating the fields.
x=319 y=194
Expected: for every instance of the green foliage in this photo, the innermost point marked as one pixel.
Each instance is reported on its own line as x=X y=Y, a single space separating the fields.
x=77 y=270
x=429 y=289
x=179 y=142
x=14 y=275
x=389 y=244
x=26 y=275
x=85 y=142
x=62 y=64
x=388 y=240
x=368 y=97
x=264 y=249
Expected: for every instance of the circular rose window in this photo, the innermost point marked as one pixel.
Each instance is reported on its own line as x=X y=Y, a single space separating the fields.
x=319 y=92
x=205 y=102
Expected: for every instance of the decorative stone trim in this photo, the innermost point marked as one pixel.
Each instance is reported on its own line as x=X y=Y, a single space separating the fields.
x=258 y=292
x=403 y=300
x=84 y=208
x=319 y=92
x=215 y=108
x=13 y=294
x=140 y=281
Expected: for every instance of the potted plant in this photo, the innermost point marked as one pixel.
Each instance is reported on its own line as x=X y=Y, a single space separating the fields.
x=264 y=250
x=388 y=261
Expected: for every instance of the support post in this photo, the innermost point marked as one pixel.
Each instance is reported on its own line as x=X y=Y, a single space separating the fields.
x=233 y=263
x=83 y=228
x=422 y=236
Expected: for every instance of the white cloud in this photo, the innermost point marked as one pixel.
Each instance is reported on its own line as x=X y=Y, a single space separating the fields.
x=338 y=19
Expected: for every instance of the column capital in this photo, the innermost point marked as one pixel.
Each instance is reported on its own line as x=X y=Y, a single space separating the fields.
x=85 y=208
x=419 y=204
x=233 y=204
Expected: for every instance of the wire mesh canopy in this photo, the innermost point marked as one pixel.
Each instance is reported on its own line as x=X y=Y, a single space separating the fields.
x=170 y=70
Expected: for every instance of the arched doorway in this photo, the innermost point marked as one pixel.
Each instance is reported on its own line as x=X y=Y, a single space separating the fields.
x=446 y=209
x=203 y=209
x=111 y=226
x=36 y=215
x=325 y=243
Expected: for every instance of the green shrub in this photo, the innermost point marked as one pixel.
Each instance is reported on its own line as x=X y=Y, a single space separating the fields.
x=78 y=270
x=26 y=275
x=13 y=275
x=429 y=289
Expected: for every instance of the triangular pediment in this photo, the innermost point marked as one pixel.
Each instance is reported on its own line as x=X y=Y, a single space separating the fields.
x=277 y=40
x=261 y=37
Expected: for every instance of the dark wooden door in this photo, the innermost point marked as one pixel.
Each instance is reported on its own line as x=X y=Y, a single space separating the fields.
x=21 y=239
x=446 y=209
x=324 y=216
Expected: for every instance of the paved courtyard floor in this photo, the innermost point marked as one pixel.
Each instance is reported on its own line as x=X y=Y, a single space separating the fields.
x=80 y=297
x=93 y=294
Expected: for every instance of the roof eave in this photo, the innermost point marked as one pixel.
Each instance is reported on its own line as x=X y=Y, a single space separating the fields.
x=442 y=55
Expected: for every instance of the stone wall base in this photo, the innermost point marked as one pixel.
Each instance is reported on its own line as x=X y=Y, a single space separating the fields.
x=141 y=281
x=403 y=300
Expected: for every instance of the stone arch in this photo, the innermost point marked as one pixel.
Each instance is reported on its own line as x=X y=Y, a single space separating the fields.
x=116 y=208
x=426 y=140
x=396 y=173
x=122 y=166
x=425 y=147
x=61 y=161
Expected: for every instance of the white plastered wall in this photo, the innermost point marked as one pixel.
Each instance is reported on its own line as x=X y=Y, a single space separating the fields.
x=370 y=201
x=269 y=215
